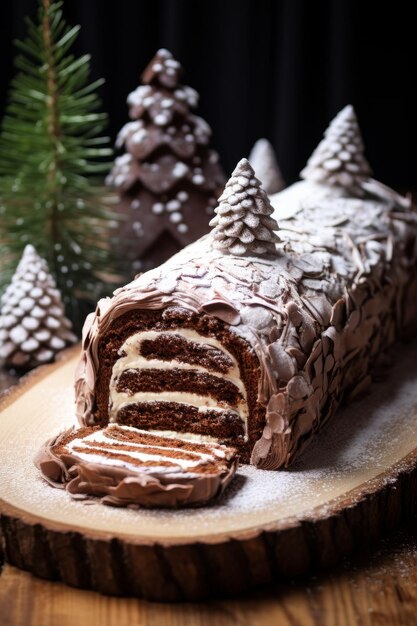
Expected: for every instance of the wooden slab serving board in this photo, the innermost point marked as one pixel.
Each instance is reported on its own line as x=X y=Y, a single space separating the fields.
x=357 y=480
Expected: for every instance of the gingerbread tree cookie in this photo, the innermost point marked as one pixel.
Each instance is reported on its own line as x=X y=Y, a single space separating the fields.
x=264 y=162
x=339 y=158
x=33 y=326
x=169 y=179
x=242 y=225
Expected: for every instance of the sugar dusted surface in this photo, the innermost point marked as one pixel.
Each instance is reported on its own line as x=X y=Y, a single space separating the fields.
x=361 y=441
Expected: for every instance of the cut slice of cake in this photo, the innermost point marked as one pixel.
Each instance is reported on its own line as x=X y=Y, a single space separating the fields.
x=130 y=467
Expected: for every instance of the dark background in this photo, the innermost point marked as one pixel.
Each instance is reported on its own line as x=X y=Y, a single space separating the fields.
x=280 y=69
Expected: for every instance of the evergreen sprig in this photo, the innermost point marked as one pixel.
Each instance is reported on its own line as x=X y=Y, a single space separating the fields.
x=51 y=147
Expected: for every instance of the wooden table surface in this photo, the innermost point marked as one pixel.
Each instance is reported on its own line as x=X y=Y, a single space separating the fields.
x=375 y=589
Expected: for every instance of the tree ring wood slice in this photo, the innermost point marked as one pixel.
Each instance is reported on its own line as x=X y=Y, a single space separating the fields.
x=357 y=480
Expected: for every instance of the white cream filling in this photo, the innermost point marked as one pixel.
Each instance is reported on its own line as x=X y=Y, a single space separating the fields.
x=133 y=360
x=183 y=436
x=124 y=398
x=104 y=456
x=191 y=437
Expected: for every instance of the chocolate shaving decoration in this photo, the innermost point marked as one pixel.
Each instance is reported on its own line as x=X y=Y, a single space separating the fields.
x=33 y=326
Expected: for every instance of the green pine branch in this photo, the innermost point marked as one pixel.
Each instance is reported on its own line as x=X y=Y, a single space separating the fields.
x=51 y=148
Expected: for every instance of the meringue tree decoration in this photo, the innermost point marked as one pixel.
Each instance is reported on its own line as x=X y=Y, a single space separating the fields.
x=51 y=149
x=264 y=161
x=33 y=326
x=339 y=159
x=243 y=224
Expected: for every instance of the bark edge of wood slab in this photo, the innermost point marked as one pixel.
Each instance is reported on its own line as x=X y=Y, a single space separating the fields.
x=220 y=564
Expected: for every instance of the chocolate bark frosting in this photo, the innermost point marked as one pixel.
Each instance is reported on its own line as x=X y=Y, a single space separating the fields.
x=126 y=467
x=339 y=289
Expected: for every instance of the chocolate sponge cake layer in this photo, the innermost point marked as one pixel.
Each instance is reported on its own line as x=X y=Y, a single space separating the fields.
x=194 y=382
x=173 y=416
x=167 y=347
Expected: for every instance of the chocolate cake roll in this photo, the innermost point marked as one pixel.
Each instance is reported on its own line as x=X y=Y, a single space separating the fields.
x=130 y=467
x=254 y=334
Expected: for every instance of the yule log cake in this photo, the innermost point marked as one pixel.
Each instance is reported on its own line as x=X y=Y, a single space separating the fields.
x=255 y=333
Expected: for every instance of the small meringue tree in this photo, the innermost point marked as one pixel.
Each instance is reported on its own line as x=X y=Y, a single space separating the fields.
x=243 y=224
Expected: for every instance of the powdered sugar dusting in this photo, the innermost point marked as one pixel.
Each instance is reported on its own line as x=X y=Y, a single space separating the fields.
x=361 y=441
